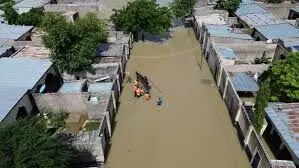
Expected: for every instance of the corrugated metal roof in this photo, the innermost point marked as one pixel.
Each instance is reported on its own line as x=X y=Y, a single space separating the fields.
x=17 y=76
x=110 y=50
x=226 y=31
x=3 y=49
x=70 y=87
x=285 y=118
x=13 y=32
x=31 y=3
x=250 y=8
x=253 y=20
x=277 y=31
x=100 y=87
x=244 y=83
x=227 y=53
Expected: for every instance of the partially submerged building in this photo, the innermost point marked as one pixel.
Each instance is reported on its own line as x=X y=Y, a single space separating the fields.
x=91 y=116
x=221 y=33
x=120 y=37
x=20 y=78
x=274 y=32
x=283 y=129
x=112 y=50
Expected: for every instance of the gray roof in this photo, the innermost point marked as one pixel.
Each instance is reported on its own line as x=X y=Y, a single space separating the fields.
x=226 y=32
x=110 y=50
x=18 y=75
x=3 y=49
x=100 y=87
x=259 y=19
x=276 y=31
x=74 y=86
x=284 y=117
x=250 y=8
x=13 y=32
x=244 y=83
x=227 y=53
x=291 y=44
x=31 y=3
x=118 y=37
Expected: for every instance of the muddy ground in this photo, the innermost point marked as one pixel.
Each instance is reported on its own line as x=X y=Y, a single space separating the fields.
x=191 y=129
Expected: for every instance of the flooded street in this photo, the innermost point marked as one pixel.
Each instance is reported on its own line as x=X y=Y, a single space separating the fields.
x=192 y=128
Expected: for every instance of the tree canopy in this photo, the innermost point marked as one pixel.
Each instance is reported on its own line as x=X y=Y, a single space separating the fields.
x=285 y=79
x=142 y=15
x=229 y=5
x=31 y=18
x=181 y=8
x=27 y=143
x=73 y=45
x=261 y=103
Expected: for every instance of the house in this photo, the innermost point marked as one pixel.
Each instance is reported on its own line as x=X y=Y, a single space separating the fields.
x=20 y=77
x=6 y=51
x=120 y=37
x=29 y=51
x=283 y=130
x=240 y=53
x=90 y=121
x=220 y=33
x=112 y=50
x=274 y=32
x=11 y=33
x=214 y=19
x=285 y=46
x=24 y=6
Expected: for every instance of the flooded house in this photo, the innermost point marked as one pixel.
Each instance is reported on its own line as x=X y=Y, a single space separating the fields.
x=90 y=118
x=119 y=37
x=22 y=77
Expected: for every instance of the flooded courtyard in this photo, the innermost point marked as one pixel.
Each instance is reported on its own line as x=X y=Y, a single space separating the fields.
x=191 y=129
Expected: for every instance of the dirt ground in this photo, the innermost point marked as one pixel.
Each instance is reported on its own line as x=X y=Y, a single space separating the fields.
x=191 y=129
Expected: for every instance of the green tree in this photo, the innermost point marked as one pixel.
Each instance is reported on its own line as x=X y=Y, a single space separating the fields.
x=142 y=16
x=181 y=8
x=73 y=45
x=10 y=13
x=261 y=103
x=285 y=79
x=31 y=18
x=230 y=5
x=28 y=143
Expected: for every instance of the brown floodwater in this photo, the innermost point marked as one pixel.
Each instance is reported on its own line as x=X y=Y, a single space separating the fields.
x=192 y=128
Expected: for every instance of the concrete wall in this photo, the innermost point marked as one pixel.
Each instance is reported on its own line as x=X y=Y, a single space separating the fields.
x=70 y=102
x=19 y=44
x=82 y=9
x=75 y=1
